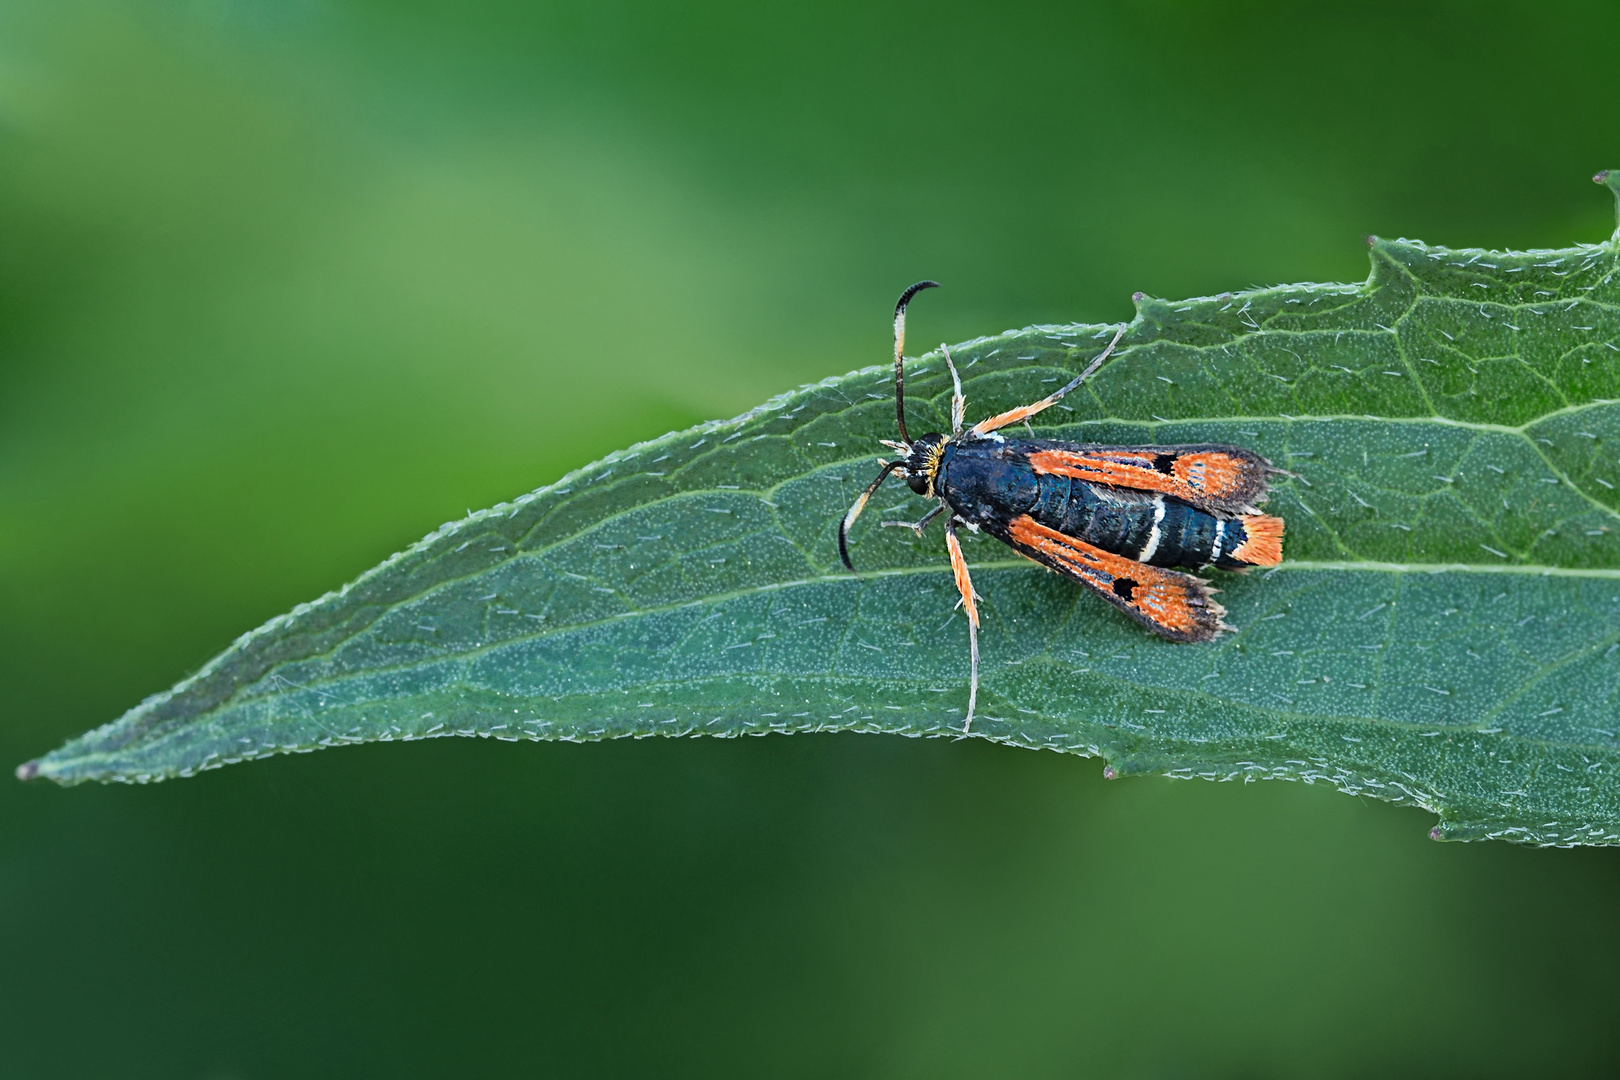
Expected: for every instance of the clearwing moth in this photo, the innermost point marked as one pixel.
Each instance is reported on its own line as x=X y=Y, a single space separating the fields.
x=1113 y=518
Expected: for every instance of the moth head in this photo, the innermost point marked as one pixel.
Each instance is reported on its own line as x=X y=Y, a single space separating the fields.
x=922 y=462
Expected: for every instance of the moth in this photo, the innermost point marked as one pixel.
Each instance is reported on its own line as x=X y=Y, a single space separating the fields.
x=1113 y=518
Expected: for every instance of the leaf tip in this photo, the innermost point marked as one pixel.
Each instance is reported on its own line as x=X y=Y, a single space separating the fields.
x=1437 y=833
x=1372 y=240
x=1110 y=773
x=28 y=770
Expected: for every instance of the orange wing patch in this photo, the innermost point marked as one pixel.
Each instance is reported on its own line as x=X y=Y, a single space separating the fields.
x=1175 y=605
x=1210 y=471
x=1264 y=544
x=1221 y=478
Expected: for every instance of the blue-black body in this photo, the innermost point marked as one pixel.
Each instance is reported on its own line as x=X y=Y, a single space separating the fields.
x=988 y=482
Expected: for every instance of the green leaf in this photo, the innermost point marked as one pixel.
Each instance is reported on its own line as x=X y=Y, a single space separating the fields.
x=1445 y=632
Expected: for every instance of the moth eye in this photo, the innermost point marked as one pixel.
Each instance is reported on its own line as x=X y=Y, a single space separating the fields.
x=917 y=483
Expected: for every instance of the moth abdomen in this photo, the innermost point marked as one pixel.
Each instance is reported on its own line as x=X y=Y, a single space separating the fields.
x=1151 y=527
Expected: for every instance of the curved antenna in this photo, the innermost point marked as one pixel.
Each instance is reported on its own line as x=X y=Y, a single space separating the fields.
x=855 y=512
x=899 y=349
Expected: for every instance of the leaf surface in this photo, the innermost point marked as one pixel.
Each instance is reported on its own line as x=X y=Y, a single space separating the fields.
x=1444 y=633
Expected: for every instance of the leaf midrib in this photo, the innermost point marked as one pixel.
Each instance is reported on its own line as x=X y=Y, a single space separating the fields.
x=909 y=571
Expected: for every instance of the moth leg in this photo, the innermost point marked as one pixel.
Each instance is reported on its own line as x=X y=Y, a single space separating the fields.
x=916 y=526
x=1024 y=412
x=958 y=402
x=964 y=585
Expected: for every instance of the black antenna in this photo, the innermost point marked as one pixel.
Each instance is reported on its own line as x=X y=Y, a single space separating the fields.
x=855 y=511
x=899 y=350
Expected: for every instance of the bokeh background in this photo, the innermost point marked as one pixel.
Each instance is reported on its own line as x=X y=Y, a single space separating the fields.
x=286 y=283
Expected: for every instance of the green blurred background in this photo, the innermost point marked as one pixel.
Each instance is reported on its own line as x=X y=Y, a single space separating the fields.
x=283 y=285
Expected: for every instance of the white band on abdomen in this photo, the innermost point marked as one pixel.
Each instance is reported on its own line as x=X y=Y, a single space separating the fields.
x=1152 y=544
